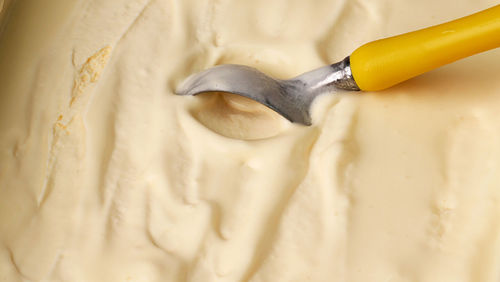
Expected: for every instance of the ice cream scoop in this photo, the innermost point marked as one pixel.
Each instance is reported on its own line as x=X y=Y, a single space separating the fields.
x=374 y=66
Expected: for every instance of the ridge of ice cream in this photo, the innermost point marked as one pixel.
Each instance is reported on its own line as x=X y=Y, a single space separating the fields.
x=238 y=117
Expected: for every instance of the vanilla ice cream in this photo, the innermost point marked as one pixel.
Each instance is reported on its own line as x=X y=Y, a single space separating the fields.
x=106 y=175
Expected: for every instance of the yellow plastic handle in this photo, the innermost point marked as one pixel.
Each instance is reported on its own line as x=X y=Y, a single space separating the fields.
x=383 y=63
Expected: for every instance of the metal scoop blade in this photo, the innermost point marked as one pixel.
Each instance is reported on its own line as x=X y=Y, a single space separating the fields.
x=290 y=98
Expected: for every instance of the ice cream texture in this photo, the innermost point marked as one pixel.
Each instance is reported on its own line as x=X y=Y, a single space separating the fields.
x=106 y=175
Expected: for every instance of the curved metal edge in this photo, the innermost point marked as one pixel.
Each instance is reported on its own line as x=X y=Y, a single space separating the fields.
x=346 y=80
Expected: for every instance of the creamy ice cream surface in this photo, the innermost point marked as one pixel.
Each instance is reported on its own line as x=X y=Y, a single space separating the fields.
x=106 y=175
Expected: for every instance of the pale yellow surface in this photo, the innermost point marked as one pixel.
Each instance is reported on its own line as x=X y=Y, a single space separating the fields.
x=105 y=175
